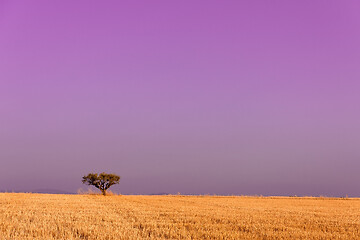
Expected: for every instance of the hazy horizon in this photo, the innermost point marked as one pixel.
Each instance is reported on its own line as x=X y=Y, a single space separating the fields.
x=196 y=97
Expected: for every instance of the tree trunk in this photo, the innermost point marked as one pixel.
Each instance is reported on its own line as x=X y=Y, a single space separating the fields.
x=103 y=192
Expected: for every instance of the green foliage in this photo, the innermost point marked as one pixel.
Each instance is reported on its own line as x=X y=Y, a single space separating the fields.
x=102 y=181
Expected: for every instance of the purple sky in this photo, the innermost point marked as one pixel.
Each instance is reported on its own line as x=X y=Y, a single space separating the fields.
x=219 y=97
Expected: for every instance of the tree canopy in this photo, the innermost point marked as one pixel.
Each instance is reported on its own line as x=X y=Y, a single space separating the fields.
x=102 y=181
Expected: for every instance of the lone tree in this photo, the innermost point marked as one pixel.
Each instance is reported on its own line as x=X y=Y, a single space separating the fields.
x=101 y=181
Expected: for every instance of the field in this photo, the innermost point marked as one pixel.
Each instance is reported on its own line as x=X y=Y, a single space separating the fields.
x=46 y=216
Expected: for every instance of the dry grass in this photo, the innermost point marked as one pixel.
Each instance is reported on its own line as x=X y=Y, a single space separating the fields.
x=42 y=216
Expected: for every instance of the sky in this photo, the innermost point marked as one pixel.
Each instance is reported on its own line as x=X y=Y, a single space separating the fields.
x=196 y=97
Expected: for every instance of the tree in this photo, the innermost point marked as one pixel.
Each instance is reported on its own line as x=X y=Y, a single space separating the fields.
x=101 y=181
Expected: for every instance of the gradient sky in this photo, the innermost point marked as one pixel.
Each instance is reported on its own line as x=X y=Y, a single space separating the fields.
x=196 y=97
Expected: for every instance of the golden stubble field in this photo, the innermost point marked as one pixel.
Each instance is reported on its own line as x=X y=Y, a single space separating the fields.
x=46 y=216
